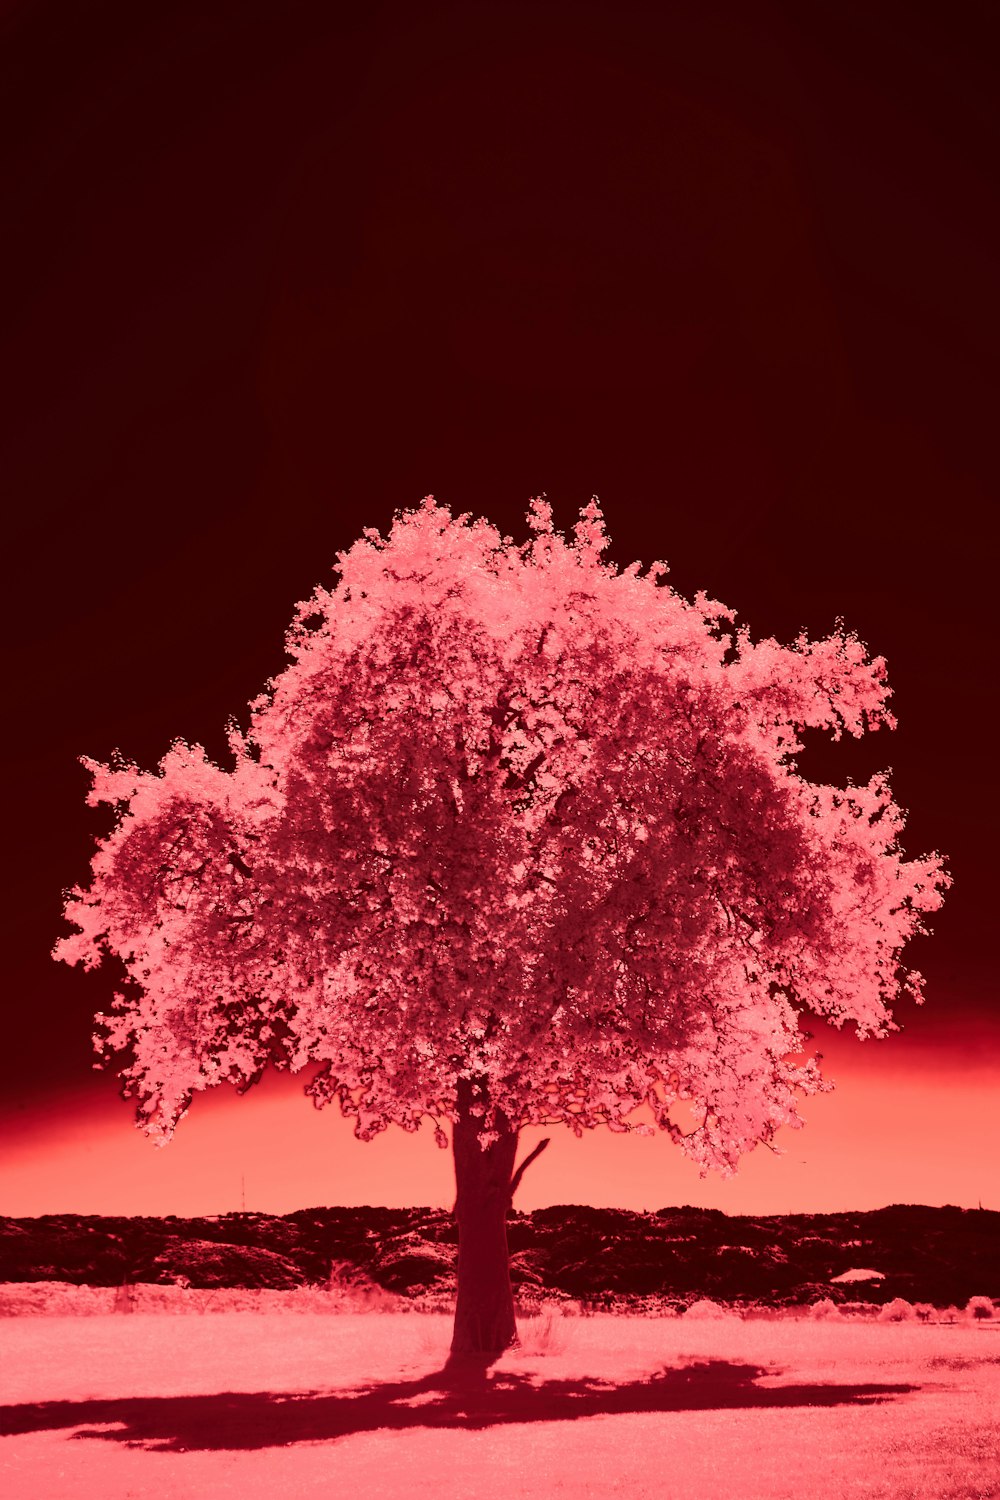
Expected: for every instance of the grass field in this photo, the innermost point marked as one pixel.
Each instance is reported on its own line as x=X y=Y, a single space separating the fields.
x=264 y=1406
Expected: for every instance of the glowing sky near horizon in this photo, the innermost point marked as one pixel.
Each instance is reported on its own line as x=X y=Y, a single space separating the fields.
x=907 y=1122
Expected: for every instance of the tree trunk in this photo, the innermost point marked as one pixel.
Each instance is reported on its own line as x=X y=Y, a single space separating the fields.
x=484 y=1313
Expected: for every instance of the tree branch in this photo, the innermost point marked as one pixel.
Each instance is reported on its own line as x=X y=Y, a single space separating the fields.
x=515 y=1181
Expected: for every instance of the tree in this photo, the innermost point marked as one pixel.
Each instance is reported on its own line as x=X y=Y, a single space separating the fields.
x=516 y=838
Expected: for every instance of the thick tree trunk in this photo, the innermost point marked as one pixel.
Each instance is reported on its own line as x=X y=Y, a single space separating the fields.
x=484 y=1313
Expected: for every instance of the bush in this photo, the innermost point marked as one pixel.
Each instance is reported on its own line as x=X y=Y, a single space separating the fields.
x=825 y=1308
x=980 y=1307
x=897 y=1311
x=706 y=1308
x=355 y=1291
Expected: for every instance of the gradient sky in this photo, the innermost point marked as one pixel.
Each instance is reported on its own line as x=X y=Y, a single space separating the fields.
x=274 y=272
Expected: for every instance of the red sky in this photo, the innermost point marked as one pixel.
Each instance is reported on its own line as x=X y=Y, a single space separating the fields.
x=278 y=271
x=899 y=1128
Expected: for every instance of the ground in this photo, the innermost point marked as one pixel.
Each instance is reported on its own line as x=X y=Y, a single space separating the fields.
x=172 y=1407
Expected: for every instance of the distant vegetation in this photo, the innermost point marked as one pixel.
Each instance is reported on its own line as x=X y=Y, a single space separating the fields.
x=611 y=1257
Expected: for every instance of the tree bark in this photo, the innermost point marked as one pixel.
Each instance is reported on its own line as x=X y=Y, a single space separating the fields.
x=484 y=1312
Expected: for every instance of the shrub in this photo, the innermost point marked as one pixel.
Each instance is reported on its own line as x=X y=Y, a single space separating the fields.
x=354 y=1289
x=825 y=1308
x=980 y=1307
x=706 y=1308
x=897 y=1311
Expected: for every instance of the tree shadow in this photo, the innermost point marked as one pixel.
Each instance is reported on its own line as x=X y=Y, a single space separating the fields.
x=465 y=1394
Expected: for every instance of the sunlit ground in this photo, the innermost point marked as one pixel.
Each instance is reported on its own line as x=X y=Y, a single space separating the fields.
x=172 y=1406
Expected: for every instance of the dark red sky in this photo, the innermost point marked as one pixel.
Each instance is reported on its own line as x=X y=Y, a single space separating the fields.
x=274 y=271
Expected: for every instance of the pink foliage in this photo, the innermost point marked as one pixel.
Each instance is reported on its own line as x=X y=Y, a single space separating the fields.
x=515 y=815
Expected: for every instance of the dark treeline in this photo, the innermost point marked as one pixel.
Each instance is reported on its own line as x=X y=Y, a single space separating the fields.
x=938 y=1255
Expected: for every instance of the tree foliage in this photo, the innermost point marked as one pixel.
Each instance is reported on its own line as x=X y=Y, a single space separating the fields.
x=512 y=816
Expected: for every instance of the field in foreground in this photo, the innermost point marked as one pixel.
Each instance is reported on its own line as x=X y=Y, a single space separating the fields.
x=252 y=1405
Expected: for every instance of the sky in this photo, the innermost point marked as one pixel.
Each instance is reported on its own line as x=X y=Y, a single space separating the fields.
x=275 y=272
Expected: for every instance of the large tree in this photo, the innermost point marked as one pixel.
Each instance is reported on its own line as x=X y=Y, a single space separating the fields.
x=516 y=838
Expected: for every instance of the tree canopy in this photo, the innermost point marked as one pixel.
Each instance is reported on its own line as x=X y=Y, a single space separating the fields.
x=510 y=815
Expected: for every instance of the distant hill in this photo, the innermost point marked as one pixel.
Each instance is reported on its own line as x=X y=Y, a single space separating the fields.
x=938 y=1255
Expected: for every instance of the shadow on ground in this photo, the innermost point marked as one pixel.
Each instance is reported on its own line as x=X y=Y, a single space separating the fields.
x=462 y=1395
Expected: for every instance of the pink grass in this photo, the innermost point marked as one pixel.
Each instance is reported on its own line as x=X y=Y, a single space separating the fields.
x=270 y=1405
